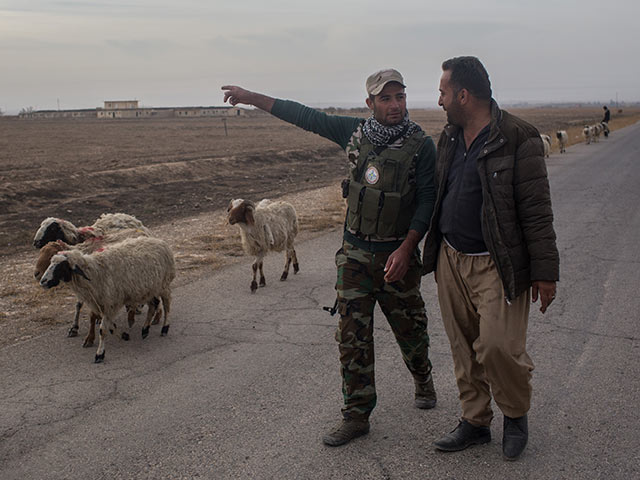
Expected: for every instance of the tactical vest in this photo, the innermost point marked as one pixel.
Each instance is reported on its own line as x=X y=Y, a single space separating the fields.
x=382 y=189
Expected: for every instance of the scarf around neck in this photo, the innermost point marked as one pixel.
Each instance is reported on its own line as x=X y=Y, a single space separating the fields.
x=381 y=135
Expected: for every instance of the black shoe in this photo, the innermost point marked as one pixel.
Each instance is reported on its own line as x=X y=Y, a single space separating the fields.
x=515 y=434
x=463 y=436
x=345 y=432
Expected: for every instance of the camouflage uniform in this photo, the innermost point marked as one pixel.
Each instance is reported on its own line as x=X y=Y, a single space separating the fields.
x=361 y=264
x=360 y=284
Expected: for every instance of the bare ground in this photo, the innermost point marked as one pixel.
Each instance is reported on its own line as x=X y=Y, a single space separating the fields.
x=177 y=176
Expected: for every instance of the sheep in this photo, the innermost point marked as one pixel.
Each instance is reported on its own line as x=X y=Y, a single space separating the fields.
x=546 y=141
x=587 y=132
x=563 y=139
x=134 y=271
x=90 y=246
x=605 y=129
x=264 y=227
x=52 y=229
x=596 y=131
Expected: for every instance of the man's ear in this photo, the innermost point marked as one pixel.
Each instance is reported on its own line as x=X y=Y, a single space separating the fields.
x=369 y=103
x=463 y=96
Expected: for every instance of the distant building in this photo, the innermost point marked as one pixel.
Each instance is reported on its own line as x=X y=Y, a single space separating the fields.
x=114 y=109
x=120 y=104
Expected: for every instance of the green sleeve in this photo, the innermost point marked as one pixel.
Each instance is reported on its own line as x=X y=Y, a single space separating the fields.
x=425 y=187
x=336 y=128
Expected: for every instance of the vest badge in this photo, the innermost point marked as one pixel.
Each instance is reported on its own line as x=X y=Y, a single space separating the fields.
x=372 y=175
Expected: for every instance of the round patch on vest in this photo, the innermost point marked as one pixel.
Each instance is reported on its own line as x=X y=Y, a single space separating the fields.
x=372 y=175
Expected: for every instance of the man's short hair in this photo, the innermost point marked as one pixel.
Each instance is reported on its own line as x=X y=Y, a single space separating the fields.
x=470 y=74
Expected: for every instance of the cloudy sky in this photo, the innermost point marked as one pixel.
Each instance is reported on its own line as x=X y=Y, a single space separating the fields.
x=76 y=53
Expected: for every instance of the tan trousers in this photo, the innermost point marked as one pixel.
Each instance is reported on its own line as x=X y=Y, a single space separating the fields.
x=487 y=336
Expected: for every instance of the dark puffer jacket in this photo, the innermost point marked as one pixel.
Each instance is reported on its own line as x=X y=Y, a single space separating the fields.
x=517 y=220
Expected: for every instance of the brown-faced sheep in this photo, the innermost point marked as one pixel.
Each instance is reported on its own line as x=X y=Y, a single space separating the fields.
x=52 y=229
x=268 y=226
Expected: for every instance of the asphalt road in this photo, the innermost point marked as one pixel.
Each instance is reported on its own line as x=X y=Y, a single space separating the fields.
x=245 y=385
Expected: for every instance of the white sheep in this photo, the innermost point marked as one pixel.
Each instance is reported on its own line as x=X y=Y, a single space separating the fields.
x=89 y=246
x=52 y=229
x=134 y=271
x=596 y=131
x=546 y=141
x=563 y=139
x=587 y=133
x=605 y=129
x=264 y=227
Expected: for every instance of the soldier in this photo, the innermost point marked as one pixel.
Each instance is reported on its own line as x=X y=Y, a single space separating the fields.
x=390 y=194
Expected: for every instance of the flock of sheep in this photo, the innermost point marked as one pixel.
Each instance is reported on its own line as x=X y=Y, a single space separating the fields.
x=117 y=263
x=591 y=133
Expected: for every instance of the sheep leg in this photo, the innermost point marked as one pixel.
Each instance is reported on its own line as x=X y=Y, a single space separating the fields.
x=166 y=305
x=263 y=282
x=73 y=331
x=156 y=318
x=131 y=315
x=101 y=335
x=152 y=313
x=287 y=264
x=91 y=336
x=296 y=267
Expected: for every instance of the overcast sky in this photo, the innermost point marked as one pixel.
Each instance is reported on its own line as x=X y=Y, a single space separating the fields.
x=179 y=52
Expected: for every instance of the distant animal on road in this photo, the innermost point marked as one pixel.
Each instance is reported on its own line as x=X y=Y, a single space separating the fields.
x=587 y=133
x=267 y=226
x=563 y=138
x=546 y=141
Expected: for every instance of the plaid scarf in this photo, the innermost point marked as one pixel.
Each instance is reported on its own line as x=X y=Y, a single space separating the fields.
x=381 y=135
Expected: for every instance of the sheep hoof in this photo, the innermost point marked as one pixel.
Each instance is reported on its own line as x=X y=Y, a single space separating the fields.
x=99 y=358
x=263 y=282
x=284 y=276
x=254 y=286
x=164 y=330
x=87 y=343
x=125 y=336
x=296 y=268
x=73 y=332
x=145 y=332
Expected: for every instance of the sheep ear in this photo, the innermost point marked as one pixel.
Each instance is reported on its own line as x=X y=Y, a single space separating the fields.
x=248 y=215
x=79 y=271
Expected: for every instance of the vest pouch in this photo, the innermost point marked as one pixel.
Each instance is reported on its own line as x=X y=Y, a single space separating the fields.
x=389 y=215
x=389 y=175
x=354 y=205
x=369 y=215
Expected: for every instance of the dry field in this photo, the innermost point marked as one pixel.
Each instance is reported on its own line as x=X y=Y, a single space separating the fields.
x=177 y=176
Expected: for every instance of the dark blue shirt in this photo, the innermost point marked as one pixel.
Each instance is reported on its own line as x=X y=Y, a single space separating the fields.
x=460 y=217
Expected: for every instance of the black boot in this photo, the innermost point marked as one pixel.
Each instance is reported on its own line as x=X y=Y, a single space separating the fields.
x=514 y=436
x=463 y=436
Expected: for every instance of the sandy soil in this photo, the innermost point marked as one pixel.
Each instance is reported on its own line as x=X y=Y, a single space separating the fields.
x=177 y=176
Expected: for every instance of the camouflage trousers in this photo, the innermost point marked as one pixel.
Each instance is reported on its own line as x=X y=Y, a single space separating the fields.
x=360 y=284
